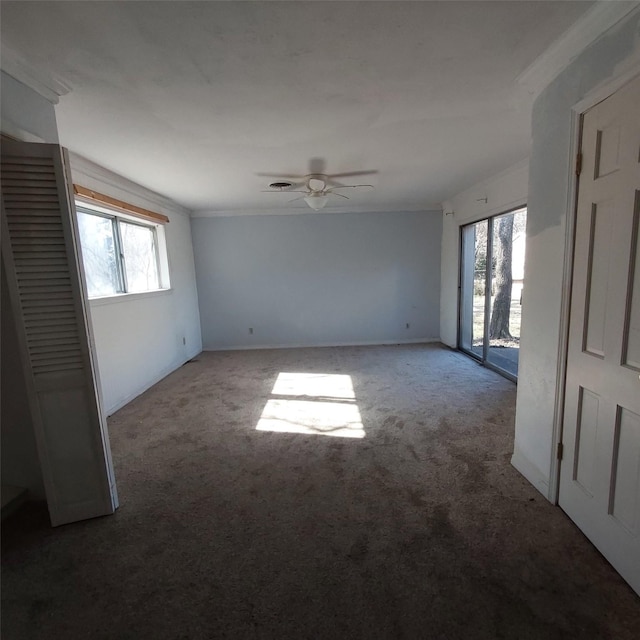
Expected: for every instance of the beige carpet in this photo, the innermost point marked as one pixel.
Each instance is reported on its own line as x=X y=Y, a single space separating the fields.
x=414 y=526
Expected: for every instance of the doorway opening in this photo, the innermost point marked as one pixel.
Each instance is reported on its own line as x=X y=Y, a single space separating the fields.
x=491 y=284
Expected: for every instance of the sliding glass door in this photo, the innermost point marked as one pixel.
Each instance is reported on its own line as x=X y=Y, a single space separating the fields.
x=474 y=274
x=491 y=283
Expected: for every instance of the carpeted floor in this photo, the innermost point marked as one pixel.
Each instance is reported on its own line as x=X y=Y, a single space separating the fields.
x=421 y=529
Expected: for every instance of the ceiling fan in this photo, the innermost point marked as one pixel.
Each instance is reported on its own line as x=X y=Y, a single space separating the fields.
x=317 y=186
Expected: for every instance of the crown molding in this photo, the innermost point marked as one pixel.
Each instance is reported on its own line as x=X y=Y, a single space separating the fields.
x=46 y=84
x=94 y=176
x=293 y=211
x=559 y=55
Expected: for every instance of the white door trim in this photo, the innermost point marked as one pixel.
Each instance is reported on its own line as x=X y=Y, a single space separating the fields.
x=593 y=97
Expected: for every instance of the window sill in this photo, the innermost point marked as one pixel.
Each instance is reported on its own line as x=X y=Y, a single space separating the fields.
x=128 y=297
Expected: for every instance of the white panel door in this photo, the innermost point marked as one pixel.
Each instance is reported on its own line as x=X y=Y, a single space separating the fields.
x=48 y=299
x=600 y=470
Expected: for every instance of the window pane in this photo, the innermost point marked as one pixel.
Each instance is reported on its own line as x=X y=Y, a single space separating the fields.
x=98 y=254
x=474 y=269
x=140 y=261
x=507 y=275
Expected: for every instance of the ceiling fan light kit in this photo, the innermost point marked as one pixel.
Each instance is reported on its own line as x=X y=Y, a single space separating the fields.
x=316 y=201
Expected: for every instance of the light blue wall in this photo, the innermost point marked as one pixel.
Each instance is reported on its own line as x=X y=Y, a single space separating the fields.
x=550 y=166
x=318 y=279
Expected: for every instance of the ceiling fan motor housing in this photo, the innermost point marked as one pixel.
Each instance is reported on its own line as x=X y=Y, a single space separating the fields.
x=316 y=182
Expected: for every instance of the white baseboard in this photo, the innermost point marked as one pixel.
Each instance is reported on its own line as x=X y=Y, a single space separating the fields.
x=324 y=344
x=531 y=472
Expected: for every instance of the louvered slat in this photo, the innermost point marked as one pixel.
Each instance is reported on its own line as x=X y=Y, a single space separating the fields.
x=57 y=368
x=35 y=258
x=42 y=328
x=36 y=244
x=35 y=291
x=29 y=200
x=53 y=345
x=30 y=265
x=21 y=162
x=43 y=210
x=42 y=270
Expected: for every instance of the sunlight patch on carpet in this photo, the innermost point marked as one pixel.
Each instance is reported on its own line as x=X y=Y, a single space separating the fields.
x=313 y=403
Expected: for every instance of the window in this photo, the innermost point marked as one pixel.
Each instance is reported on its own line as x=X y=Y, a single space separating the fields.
x=120 y=254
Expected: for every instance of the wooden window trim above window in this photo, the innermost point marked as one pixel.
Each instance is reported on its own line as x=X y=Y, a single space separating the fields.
x=131 y=209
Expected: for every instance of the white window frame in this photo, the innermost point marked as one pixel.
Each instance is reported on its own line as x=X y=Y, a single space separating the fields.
x=159 y=246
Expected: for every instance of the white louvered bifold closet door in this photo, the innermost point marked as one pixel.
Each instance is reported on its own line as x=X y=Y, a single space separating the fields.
x=40 y=252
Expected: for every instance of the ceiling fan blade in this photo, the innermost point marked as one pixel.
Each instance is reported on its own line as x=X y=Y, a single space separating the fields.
x=331 y=193
x=282 y=191
x=300 y=198
x=351 y=174
x=348 y=186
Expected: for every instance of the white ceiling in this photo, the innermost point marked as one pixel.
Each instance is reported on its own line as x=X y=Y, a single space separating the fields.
x=192 y=99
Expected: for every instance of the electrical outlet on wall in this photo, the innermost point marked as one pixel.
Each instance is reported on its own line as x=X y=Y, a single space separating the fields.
x=251 y=331
x=408 y=325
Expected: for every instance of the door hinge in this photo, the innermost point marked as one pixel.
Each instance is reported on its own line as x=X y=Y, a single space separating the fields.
x=559 y=451
x=579 y=163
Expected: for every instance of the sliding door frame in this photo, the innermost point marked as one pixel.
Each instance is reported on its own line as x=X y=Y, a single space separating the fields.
x=483 y=360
